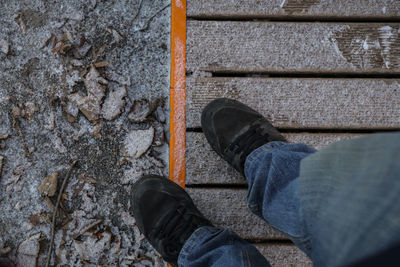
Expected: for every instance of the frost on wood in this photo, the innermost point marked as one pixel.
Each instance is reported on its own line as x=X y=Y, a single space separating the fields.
x=376 y=46
x=48 y=187
x=114 y=104
x=138 y=141
x=90 y=105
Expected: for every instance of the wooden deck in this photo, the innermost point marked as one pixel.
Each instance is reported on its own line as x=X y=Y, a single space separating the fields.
x=320 y=70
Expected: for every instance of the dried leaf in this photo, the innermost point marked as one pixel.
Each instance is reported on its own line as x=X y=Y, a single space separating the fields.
x=30 y=246
x=114 y=104
x=4 y=250
x=137 y=142
x=46 y=41
x=48 y=187
x=140 y=110
x=86 y=179
x=65 y=48
x=57 y=47
x=90 y=105
x=81 y=51
x=30 y=109
x=116 y=35
x=1 y=165
x=3 y=137
x=101 y=64
x=4 y=46
x=21 y=22
x=99 y=53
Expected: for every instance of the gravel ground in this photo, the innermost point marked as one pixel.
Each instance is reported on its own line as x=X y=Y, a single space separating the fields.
x=85 y=81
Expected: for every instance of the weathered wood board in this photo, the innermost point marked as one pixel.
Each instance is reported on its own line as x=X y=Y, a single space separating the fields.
x=228 y=208
x=281 y=47
x=323 y=9
x=204 y=166
x=284 y=255
x=304 y=103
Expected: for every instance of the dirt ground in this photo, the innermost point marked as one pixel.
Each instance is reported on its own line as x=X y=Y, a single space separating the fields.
x=85 y=81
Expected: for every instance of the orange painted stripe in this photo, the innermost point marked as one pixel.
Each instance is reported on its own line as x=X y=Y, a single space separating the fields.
x=178 y=93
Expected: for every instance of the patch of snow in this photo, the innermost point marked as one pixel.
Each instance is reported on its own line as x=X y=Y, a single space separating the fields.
x=365 y=44
x=386 y=35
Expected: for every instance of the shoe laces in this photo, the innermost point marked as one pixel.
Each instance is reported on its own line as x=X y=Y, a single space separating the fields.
x=247 y=142
x=175 y=228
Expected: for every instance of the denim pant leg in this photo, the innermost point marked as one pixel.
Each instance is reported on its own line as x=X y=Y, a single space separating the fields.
x=349 y=197
x=272 y=171
x=213 y=246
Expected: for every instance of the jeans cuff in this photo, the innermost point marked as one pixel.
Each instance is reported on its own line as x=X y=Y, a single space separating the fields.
x=192 y=242
x=254 y=155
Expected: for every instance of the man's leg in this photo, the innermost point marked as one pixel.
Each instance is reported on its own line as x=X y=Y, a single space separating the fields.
x=168 y=218
x=342 y=205
x=212 y=246
x=247 y=141
x=272 y=172
x=349 y=197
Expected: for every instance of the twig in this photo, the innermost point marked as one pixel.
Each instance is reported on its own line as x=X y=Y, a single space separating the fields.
x=138 y=11
x=87 y=228
x=53 y=223
x=146 y=25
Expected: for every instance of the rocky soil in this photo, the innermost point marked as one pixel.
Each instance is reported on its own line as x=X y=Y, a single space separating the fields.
x=85 y=81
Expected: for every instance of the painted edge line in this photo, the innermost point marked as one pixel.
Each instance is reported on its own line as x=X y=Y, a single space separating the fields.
x=178 y=93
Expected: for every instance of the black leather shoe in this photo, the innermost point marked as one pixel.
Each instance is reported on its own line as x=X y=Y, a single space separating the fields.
x=234 y=130
x=165 y=214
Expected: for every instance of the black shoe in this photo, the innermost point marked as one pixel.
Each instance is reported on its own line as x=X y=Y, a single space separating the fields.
x=165 y=214
x=234 y=130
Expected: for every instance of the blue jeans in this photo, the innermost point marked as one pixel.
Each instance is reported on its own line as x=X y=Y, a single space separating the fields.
x=338 y=205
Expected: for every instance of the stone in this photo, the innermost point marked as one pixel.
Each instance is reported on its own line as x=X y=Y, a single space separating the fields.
x=48 y=187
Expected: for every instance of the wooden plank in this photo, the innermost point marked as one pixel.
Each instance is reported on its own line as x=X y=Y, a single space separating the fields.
x=228 y=208
x=305 y=103
x=204 y=166
x=323 y=9
x=281 y=47
x=284 y=255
